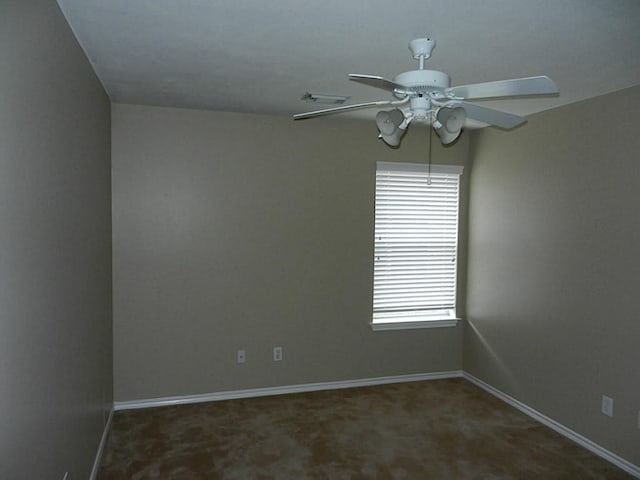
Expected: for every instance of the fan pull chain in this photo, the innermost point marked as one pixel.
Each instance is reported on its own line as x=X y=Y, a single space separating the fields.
x=430 y=142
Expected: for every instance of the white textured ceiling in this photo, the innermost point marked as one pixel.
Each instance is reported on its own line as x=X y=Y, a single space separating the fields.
x=257 y=56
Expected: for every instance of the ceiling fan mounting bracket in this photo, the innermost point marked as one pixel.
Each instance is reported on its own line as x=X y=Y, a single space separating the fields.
x=421 y=48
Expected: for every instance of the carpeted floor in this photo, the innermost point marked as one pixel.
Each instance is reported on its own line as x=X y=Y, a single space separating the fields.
x=440 y=429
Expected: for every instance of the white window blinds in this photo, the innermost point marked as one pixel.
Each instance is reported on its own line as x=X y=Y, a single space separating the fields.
x=416 y=242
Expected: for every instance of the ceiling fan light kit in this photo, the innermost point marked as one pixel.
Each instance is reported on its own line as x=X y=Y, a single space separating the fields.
x=426 y=97
x=391 y=125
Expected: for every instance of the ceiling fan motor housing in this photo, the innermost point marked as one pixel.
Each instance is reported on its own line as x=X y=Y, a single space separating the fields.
x=422 y=82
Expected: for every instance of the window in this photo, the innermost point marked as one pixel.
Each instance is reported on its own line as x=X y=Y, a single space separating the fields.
x=416 y=245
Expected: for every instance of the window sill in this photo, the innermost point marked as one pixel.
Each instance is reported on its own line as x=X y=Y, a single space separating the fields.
x=445 y=322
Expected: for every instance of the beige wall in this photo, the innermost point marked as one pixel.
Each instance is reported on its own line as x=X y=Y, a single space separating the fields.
x=250 y=231
x=55 y=248
x=246 y=231
x=554 y=266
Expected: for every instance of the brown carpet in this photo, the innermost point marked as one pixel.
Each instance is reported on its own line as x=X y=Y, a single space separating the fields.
x=440 y=429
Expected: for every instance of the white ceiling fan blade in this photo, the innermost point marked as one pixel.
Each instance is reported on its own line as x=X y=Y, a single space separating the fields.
x=492 y=117
x=375 y=81
x=541 y=85
x=356 y=106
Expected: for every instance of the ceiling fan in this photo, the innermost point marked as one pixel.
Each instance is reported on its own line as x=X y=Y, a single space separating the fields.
x=425 y=96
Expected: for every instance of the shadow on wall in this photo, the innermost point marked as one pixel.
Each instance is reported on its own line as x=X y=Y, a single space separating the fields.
x=497 y=363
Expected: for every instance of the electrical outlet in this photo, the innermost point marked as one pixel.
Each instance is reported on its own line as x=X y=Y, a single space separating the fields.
x=607 y=406
x=242 y=356
x=277 y=354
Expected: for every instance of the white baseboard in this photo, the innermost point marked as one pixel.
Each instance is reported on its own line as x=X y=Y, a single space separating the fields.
x=558 y=427
x=103 y=442
x=268 y=391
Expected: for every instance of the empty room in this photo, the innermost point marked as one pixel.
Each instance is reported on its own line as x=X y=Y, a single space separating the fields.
x=319 y=240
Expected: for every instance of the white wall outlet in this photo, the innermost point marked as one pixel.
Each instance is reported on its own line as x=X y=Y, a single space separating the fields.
x=607 y=406
x=242 y=356
x=277 y=354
